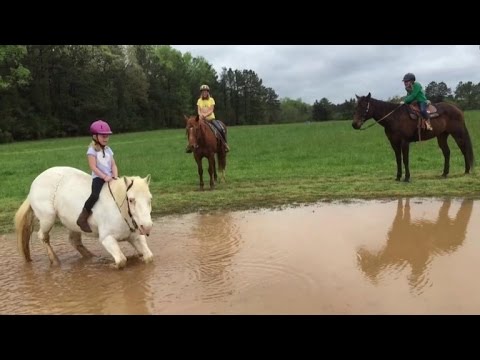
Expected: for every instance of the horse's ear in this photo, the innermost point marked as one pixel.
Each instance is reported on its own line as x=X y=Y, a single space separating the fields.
x=369 y=96
x=186 y=117
x=358 y=97
x=147 y=179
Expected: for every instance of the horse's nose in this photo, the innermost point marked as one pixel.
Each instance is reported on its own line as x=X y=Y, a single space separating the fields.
x=146 y=229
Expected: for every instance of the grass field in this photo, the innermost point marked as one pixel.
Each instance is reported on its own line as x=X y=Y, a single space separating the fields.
x=268 y=166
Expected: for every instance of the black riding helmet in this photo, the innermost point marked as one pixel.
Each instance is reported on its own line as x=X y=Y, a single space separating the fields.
x=409 y=77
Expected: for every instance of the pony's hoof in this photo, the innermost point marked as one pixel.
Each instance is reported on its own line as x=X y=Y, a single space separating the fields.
x=397 y=179
x=406 y=180
x=120 y=265
x=148 y=260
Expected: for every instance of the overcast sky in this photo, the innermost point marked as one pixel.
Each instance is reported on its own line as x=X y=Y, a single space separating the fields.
x=338 y=72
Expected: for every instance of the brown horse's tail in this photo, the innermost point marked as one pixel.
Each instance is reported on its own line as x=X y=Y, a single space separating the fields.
x=24 y=228
x=469 y=148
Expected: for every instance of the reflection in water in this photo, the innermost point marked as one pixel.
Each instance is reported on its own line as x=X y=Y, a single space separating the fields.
x=301 y=260
x=85 y=286
x=416 y=243
x=218 y=243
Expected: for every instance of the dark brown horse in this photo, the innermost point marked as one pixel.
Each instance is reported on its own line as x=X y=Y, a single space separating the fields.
x=203 y=143
x=401 y=130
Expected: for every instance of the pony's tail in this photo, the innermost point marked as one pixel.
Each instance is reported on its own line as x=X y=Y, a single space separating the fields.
x=469 y=148
x=24 y=228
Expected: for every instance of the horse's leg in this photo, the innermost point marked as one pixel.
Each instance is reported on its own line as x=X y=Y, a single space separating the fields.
x=211 y=169
x=198 y=159
x=139 y=242
x=443 y=144
x=111 y=245
x=398 y=158
x=405 y=151
x=76 y=241
x=46 y=224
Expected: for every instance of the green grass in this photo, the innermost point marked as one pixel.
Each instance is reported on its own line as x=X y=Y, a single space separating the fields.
x=268 y=166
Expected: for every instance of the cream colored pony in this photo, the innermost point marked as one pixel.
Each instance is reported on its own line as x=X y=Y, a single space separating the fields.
x=122 y=212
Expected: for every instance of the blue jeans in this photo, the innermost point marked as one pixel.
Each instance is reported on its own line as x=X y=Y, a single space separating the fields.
x=423 y=110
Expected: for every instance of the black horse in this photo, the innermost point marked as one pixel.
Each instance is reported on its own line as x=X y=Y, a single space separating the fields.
x=401 y=129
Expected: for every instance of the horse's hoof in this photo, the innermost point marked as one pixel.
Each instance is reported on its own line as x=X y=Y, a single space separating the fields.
x=148 y=260
x=397 y=179
x=117 y=266
x=406 y=180
x=120 y=265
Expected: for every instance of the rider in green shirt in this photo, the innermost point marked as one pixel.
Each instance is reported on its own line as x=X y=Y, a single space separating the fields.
x=415 y=93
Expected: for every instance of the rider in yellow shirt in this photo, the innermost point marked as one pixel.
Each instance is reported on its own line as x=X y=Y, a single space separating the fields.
x=205 y=107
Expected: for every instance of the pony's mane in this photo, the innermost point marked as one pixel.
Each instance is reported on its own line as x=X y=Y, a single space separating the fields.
x=191 y=119
x=119 y=188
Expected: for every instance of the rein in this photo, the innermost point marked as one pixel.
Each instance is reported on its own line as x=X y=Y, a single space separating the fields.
x=135 y=226
x=376 y=122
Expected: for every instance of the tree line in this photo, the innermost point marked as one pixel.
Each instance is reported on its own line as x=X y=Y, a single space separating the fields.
x=51 y=91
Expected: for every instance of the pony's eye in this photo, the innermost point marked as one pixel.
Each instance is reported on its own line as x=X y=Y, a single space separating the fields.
x=131 y=201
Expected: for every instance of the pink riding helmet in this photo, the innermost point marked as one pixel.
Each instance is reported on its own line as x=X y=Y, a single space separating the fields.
x=100 y=127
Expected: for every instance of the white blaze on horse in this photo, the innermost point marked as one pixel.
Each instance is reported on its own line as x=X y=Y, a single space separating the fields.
x=122 y=212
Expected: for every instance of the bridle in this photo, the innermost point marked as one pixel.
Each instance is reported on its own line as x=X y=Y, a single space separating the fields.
x=135 y=226
x=376 y=122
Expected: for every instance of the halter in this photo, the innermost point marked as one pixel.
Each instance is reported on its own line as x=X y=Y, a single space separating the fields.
x=135 y=226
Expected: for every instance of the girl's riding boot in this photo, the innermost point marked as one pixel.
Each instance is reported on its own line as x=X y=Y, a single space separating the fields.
x=429 y=126
x=82 y=220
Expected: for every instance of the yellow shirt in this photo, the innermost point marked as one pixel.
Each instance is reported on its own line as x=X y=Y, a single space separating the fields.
x=205 y=104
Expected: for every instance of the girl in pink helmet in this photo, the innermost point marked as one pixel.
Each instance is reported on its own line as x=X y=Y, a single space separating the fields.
x=103 y=166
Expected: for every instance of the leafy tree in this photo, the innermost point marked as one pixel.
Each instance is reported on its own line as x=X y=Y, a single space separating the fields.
x=437 y=92
x=12 y=70
x=294 y=111
x=322 y=110
x=468 y=95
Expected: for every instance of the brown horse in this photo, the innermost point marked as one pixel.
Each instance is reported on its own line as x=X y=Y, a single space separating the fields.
x=203 y=143
x=401 y=130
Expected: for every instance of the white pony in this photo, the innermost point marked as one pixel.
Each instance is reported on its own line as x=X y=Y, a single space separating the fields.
x=122 y=212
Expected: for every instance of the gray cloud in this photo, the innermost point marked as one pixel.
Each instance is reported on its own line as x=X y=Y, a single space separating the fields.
x=338 y=72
